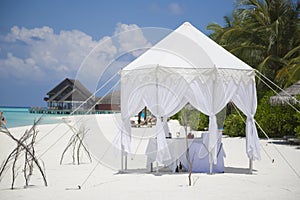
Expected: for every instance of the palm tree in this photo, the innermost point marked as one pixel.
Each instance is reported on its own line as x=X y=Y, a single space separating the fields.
x=266 y=35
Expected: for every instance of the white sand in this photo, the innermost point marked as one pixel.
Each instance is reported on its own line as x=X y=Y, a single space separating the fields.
x=269 y=181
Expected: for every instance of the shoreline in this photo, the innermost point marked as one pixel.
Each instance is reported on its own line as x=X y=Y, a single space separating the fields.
x=21 y=116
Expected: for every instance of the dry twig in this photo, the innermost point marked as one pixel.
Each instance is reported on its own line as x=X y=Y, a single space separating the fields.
x=25 y=145
x=76 y=142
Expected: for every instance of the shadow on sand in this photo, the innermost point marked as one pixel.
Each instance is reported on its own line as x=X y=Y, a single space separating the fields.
x=133 y=171
x=163 y=171
x=237 y=170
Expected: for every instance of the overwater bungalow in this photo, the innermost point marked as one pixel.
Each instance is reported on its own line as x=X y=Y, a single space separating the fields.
x=71 y=96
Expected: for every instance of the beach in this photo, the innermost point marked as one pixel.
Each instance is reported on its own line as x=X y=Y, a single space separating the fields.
x=271 y=179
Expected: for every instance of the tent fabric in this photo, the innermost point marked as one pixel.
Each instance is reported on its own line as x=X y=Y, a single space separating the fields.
x=187 y=66
x=245 y=100
x=211 y=97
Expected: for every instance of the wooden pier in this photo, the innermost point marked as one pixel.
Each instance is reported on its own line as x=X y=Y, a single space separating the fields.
x=41 y=110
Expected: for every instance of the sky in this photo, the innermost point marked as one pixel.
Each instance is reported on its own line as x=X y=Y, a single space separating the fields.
x=44 y=42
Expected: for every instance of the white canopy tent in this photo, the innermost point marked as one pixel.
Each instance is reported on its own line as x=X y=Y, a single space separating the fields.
x=187 y=66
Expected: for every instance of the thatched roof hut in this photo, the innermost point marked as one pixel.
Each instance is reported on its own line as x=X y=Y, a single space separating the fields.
x=67 y=93
x=289 y=95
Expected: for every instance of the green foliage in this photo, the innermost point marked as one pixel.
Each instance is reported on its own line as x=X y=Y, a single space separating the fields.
x=266 y=35
x=197 y=120
x=203 y=122
x=176 y=116
x=234 y=125
x=190 y=117
x=276 y=121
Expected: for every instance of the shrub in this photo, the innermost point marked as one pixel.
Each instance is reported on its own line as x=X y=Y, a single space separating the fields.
x=203 y=122
x=234 y=126
x=276 y=121
x=197 y=120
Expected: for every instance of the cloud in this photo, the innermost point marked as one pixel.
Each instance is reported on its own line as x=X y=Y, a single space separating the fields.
x=25 y=68
x=175 y=8
x=40 y=54
x=107 y=58
x=131 y=38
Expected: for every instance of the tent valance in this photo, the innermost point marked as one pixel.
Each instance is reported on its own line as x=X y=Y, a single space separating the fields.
x=153 y=72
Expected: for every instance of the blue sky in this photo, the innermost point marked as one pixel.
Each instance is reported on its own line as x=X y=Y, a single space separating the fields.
x=43 y=42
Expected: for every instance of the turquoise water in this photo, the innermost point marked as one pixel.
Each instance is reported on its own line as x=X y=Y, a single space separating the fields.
x=16 y=116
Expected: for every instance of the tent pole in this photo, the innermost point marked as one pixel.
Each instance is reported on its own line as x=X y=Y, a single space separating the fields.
x=125 y=162
x=210 y=163
x=212 y=109
x=122 y=167
x=157 y=108
x=250 y=165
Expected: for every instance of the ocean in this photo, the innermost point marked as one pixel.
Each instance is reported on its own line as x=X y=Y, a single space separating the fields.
x=20 y=116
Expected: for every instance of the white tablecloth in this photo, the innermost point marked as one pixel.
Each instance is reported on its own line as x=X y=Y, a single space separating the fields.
x=177 y=148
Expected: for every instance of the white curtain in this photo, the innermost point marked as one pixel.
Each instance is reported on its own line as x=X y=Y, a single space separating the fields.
x=164 y=98
x=132 y=103
x=245 y=99
x=210 y=97
x=165 y=91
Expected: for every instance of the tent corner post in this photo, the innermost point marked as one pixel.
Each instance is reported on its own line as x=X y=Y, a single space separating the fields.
x=122 y=159
x=125 y=162
x=122 y=154
x=250 y=165
x=210 y=163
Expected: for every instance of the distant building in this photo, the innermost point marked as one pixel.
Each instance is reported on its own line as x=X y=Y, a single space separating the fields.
x=110 y=102
x=70 y=95
x=288 y=95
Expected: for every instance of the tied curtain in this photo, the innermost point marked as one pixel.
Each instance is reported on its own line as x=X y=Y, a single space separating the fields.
x=210 y=97
x=163 y=94
x=245 y=99
x=168 y=99
x=131 y=104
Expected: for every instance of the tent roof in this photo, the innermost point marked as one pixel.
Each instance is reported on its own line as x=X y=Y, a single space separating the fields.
x=187 y=47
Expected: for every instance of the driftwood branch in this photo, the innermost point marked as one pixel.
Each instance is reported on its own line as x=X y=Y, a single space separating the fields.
x=188 y=157
x=75 y=144
x=25 y=145
x=185 y=122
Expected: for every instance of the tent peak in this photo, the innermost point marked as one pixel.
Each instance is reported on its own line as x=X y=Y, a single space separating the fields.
x=187 y=24
x=188 y=47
